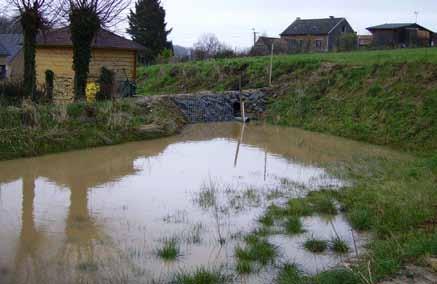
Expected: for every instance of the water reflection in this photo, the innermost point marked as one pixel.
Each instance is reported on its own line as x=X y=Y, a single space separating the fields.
x=98 y=214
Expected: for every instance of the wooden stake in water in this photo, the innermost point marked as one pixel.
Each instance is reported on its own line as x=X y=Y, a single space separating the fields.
x=243 y=110
x=239 y=144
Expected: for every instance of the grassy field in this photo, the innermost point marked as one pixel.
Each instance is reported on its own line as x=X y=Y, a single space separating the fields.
x=381 y=97
x=225 y=74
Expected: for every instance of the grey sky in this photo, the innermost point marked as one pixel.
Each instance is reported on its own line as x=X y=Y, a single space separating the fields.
x=232 y=20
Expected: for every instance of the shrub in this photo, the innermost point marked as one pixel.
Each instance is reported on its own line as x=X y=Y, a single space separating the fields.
x=106 y=82
x=11 y=93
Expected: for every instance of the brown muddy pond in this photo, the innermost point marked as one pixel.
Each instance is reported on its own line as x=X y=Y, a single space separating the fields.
x=100 y=215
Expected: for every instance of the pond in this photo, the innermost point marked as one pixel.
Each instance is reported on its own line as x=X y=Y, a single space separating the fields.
x=101 y=215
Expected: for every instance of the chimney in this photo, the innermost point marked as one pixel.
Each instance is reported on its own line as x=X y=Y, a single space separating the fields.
x=298 y=19
x=331 y=17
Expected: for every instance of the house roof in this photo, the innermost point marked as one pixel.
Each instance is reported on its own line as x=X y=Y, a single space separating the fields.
x=12 y=43
x=266 y=40
x=104 y=39
x=312 y=26
x=395 y=26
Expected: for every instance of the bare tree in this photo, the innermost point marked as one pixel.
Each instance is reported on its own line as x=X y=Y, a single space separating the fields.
x=10 y=25
x=86 y=18
x=34 y=15
x=209 y=46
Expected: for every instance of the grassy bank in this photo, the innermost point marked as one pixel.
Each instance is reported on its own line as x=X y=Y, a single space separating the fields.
x=33 y=130
x=381 y=97
x=225 y=74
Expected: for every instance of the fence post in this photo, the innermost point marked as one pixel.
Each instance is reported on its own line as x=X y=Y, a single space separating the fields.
x=271 y=64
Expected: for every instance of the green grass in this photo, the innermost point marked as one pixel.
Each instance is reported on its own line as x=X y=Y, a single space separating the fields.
x=315 y=246
x=202 y=276
x=88 y=267
x=339 y=246
x=266 y=220
x=33 y=130
x=244 y=266
x=337 y=276
x=170 y=251
x=257 y=250
x=289 y=274
x=223 y=74
x=293 y=225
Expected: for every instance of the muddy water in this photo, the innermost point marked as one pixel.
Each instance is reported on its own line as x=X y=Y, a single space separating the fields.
x=100 y=215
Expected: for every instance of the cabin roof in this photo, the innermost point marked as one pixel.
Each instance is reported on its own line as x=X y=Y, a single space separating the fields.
x=103 y=40
x=12 y=43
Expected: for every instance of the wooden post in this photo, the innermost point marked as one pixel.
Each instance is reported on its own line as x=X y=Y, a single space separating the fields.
x=243 y=110
x=239 y=144
x=271 y=64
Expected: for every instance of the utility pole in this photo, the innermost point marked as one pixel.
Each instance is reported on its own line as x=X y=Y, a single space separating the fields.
x=254 y=36
x=417 y=16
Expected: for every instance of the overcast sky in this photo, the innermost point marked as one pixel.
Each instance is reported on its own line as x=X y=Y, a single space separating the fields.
x=232 y=20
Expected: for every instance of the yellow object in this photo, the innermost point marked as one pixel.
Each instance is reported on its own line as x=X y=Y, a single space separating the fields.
x=92 y=88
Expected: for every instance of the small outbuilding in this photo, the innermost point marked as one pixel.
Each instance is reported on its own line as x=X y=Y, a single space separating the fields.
x=55 y=52
x=3 y=57
x=263 y=46
x=400 y=35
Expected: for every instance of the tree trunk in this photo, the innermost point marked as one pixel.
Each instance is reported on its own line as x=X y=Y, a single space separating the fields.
x=30 y=30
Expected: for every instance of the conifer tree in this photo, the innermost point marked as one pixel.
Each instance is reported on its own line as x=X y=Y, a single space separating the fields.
x=147 y=26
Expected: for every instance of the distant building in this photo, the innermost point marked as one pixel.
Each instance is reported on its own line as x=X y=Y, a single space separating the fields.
x=401 y=35
x=11 y=58
x=263 y=46
x=365 y=40
x=3 y=56
x=316 y=35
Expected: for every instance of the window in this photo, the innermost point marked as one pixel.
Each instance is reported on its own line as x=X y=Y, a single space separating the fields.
x=343 y=29
x=319 y=44
x=2 y=72
x=301 y=43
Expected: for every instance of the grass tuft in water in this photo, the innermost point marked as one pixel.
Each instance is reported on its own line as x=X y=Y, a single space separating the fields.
x=266 y=220
x=170 y=250
x=315 y=246
x=88 y=267
x=299 y=207
x=339 y=246
x=293 y=225
x=257 y=249
x=202 y=276
x=244 y=266
x=322 y=203
x=289 y=274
